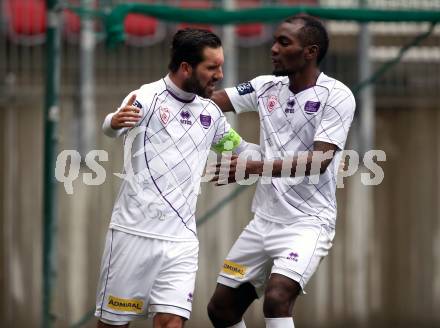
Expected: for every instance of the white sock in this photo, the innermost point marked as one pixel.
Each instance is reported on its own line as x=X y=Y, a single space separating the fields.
x=279 y=322
x=239 y=325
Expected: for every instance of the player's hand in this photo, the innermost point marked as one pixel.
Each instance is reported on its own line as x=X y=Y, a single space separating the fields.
x=224 y=172
x=127 y=116
x=232 y=169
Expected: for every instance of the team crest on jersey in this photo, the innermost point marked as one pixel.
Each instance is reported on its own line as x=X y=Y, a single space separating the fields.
x=234 y=269
x=205 y=120
x=272 y=104
x=311 y=107
x=164 y=114
x=244 y=88
x=185 y=117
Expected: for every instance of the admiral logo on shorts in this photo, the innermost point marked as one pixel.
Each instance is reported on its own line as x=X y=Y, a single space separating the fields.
x=234 y=269
x=125 y=305
x=190 y=297
x=244 y=88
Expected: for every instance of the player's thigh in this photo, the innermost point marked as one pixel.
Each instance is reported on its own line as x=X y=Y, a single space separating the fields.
x=173 y=289
x=247 y=262
x=129 y=267
x=297 y=249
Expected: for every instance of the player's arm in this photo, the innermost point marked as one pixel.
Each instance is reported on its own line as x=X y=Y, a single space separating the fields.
x=115 y=124
x=305 y=164
x=222 y=100
x=314 y=162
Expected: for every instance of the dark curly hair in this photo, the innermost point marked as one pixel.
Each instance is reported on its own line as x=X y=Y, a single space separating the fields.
x=188 y=46
x=312 y=33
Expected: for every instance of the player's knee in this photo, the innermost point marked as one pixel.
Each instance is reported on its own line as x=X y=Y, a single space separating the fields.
x=220 y=315
x=211 y=308
x=103 y=323
x=277 y=303
x=173 y=324
x=215 y=312
x=168 y=321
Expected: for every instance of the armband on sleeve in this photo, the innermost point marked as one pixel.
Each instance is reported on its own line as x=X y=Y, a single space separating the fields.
x=229 y=142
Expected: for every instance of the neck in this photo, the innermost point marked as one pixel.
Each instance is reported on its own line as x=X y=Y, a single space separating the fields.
x=176 y=80
x=304 y=79
x=175 y=87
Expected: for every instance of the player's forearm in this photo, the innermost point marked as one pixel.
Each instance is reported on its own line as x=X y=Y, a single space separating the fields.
x=309 y=163
x=290 y=167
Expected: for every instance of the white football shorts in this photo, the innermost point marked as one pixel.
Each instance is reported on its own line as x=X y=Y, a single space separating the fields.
x=142 y=276
x=264 y=247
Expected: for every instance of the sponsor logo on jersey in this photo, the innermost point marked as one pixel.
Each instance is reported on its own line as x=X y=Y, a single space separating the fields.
x=125 y=305
x=185 y=117
x=205 y=120
x=234 y=269
x=293 y=256
x=137 y=104
x=244 y=88
x=190 y=297
x=290 y=106
x=312 y=107
x=272 y=103
x=164 y=114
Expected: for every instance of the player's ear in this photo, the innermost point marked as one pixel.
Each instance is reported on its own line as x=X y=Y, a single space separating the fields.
x=186 y=69
x=312 y=52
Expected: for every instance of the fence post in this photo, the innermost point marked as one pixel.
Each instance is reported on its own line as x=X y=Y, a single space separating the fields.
x=51 y=117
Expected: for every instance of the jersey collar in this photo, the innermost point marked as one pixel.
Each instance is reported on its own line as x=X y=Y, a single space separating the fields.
x=177 y=93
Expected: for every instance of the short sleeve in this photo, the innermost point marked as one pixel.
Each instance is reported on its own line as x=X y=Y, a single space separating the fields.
x=222 y=130
x=244 y=96
x=336 y=118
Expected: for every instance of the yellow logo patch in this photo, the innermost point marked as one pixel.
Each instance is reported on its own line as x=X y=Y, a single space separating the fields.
x=126 y=305
x=234 y=269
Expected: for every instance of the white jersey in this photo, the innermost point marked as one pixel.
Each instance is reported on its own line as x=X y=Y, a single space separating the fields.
x=164 y=158
x=290 y=124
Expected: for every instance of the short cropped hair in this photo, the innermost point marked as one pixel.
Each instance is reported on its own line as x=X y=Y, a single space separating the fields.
x=188 y=45
x=313 y=32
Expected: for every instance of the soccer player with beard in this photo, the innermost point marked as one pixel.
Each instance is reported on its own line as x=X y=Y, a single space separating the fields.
x=150 y=257
x=305 y=116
